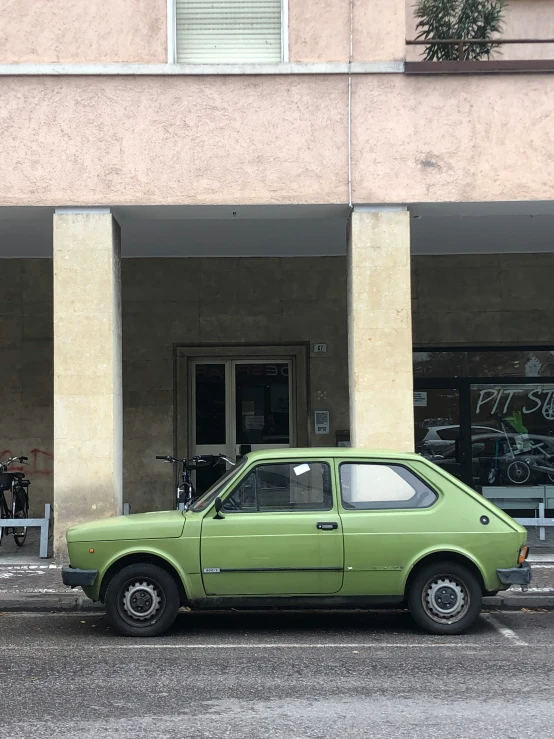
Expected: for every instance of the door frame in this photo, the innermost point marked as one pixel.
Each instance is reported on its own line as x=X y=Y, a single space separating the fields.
x=185 y=355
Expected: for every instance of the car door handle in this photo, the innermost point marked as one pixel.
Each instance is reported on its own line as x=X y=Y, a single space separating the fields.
x=327 y=526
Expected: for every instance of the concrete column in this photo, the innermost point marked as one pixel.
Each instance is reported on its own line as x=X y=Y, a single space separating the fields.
x=88 y=409
x=380 y=330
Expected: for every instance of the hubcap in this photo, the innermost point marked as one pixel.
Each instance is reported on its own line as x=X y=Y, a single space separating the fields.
x=445 y=599
x=141 y=600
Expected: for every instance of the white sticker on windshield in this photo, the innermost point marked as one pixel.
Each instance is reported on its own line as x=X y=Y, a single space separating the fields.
x=301 y=469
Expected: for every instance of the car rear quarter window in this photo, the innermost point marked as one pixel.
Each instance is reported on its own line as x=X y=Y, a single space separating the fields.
x=375 y=486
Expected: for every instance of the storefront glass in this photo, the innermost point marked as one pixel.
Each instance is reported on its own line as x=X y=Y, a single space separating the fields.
x=496 y=434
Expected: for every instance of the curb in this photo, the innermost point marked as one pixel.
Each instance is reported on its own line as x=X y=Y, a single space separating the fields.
x=519 y=601
x=47 y=602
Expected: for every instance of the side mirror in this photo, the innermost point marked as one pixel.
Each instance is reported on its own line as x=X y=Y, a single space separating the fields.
x=218 y=505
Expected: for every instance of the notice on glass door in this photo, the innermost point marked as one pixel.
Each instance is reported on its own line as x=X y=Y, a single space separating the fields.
x=420 y=400
x=253 y=423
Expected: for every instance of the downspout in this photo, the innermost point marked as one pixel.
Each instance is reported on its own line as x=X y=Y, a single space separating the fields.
x=350 y=60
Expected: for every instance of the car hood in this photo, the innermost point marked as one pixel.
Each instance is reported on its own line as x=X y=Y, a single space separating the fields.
x=156 y=525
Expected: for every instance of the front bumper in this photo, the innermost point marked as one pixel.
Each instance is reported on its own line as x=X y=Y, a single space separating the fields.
x=73 y=577
x=516 y=575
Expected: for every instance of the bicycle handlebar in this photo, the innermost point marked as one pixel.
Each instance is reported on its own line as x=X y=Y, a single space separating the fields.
x=14 y=459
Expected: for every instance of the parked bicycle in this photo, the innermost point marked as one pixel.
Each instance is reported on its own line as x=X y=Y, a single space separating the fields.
x=14 y=499
x=186 y=493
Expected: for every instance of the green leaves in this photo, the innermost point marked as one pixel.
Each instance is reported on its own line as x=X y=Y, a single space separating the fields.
x=459 y=19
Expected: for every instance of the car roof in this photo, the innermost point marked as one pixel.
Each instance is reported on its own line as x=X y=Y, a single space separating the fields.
x=326 y=452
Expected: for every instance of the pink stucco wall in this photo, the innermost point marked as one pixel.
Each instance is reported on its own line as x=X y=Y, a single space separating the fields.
x=87 y=140
x=533 y=19
x=379 y=30
x=529 y=19
x=79 y=31
x=279 y=139
x=319 y=31
x=468 y=138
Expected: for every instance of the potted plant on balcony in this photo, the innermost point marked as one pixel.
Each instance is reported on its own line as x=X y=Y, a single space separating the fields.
x=459 y=19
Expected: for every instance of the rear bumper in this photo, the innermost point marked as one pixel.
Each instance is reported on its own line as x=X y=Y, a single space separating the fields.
x=73 y=577
x=516 y=575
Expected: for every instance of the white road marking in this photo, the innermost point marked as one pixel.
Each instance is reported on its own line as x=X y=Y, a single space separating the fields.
x=504 y=630
x=282 y=645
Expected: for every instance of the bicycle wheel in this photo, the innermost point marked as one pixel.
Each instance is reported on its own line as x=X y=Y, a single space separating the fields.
x=518 y=472
x=20 y=509
x=4 y=513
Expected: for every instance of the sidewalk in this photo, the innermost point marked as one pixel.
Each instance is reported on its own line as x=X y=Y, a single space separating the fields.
x=28 y=583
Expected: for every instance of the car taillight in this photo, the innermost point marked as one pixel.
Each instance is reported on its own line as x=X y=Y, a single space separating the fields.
x=523 y=552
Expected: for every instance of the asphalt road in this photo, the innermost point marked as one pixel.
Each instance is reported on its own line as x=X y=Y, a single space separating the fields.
x=284 y=676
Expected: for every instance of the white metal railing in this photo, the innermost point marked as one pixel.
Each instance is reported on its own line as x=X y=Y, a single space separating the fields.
x=42 y=523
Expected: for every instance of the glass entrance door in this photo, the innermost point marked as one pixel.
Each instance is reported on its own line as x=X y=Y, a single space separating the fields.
x=262 y=403
x=239 y=406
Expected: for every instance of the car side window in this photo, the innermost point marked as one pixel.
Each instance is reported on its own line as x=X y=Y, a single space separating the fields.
x=374 y=486
x=294 y=486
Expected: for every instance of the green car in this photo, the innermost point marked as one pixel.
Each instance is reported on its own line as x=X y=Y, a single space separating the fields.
x=307 y=528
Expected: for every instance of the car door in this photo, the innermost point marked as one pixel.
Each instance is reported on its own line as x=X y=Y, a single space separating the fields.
x=280 y=534
x=388 y=515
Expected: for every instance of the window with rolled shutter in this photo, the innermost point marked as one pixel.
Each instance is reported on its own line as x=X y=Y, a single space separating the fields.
x=228 y=31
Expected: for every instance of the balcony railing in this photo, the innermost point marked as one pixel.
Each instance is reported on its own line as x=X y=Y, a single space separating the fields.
x=464 y=65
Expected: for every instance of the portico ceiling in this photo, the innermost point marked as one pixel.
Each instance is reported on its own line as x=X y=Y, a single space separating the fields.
x=307 y=230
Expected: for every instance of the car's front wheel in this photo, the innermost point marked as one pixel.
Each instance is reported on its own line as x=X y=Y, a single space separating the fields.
x=445 y=598
x=142 y=600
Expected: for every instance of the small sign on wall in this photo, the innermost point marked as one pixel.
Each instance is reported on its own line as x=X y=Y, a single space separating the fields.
x=321 y=422
x=420 y=400
x=319 y=348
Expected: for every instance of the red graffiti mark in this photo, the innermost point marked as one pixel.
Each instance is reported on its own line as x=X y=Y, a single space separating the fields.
x=40 y=463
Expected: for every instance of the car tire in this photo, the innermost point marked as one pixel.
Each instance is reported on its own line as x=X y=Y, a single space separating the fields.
x=142 y=600
x=445 y=598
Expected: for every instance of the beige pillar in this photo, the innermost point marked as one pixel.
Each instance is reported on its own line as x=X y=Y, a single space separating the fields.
x=87 y=369
x=380 y=330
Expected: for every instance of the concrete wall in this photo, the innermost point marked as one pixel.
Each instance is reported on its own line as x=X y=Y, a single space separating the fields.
x=26 y=371
x=490 y=300
x=487 y=300
x=39 y=32
x=271 y=301
x=167 y=301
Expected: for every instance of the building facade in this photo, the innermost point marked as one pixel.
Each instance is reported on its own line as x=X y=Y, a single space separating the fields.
x=231 y=225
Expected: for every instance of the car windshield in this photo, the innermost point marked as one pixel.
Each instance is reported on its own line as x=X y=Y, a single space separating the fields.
x=211 y=494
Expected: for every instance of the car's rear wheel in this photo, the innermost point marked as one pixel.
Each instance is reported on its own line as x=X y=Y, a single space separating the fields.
x=142 y=600
x=445 y=598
